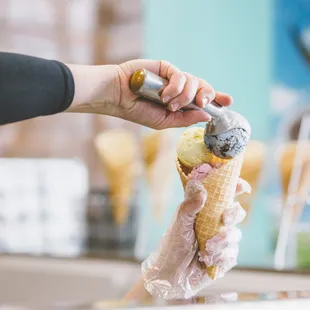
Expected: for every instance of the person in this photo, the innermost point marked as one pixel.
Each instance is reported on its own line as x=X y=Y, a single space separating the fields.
x=31 y=87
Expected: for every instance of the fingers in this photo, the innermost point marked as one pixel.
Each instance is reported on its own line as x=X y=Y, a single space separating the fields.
x=234 y=215
x=243 y=187
x=195 y=198
x=181 y=85
x=226 y=258
x=184 y=88
x=223 y=240
x=222 y=250
x=156 y=116
x=227 y=266
x=186 y=95
x=205 y=94
x=177 y=81
x=223 y=99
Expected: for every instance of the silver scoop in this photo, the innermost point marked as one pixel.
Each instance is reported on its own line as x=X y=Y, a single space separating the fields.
x=226 y=134
x=149 y=85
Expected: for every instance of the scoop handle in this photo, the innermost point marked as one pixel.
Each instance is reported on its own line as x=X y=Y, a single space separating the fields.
x=146 y=84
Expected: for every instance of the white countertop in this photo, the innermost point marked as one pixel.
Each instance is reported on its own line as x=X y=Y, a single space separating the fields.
x=46 y=281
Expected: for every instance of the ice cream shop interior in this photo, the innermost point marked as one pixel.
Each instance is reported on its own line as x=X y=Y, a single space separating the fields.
x=154 y=154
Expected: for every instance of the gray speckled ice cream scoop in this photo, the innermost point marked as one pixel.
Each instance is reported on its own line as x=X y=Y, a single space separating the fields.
x=227 y=136
x=228 y=144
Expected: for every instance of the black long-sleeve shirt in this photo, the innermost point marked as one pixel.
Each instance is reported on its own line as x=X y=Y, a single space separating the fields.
x=31 y=87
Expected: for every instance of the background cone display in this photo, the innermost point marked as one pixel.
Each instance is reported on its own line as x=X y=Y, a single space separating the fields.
x=158 y=154
x=287 y=165
x=221 y=188
x=150 y=149
x=253 y=162
x=118 y=150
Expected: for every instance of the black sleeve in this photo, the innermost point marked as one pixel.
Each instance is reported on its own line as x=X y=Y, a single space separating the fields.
x=31 y=87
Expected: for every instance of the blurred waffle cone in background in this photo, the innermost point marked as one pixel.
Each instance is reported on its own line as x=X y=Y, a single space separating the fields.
x=118 y=151
x=150 y=149
x=254 y=159
x=158 y=154
x=287 y=164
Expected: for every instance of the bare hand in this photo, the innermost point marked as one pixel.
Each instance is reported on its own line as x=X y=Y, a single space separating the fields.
x=182 y=89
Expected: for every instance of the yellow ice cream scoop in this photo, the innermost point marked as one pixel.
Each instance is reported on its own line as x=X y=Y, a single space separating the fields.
x=192 y=151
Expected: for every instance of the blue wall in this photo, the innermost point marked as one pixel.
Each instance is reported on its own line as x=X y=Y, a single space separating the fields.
x=228 y=43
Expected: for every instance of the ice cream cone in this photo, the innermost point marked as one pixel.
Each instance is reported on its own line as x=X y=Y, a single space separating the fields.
x=220 y=185
x=254 y=157
x=158 y=156
x=118 y=151
x=150 y=149
x=287 y=165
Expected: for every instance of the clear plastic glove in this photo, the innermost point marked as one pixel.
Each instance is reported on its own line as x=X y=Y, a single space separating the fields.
x=176 y=270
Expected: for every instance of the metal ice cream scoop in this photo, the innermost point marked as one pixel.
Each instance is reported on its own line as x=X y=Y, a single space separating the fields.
x=226 y=134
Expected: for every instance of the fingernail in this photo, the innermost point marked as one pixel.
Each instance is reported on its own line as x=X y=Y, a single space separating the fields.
x=210 y=97
x=208 y=118
x=174 y=106
x=166 y=99
x=205 y=101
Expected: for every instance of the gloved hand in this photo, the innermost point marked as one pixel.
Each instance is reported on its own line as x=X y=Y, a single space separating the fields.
x=175 y=270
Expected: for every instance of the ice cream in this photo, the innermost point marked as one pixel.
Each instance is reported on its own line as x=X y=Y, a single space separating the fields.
x=218 y=176
x=228 y=144
x=200 y=172
x=192 y=151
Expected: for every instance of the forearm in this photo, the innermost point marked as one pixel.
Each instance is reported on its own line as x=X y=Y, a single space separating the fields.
x=138 y=293
x=32 y=87
x=96 y=89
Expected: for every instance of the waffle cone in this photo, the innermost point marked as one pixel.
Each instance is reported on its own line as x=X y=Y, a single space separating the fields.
x=150 y=149
x=120 y=190
x=254 y=159
x=220 y=185
x=287 y=165
x=158 y=155
x=117 y=149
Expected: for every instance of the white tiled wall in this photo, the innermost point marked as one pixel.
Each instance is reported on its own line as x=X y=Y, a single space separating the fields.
x=43 y=206
x=64 y=29
x=70 y=31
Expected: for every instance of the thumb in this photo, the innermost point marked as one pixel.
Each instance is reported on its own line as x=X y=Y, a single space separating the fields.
x=195 y=198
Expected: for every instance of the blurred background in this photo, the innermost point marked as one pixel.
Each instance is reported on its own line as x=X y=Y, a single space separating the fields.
x=60 y=196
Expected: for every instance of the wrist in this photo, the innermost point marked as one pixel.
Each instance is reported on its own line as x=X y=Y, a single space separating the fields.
x=97 y=89
x=138 y=293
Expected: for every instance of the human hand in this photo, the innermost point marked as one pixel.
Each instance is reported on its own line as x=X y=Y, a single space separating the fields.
x=105 y=90
x=182 y=89
x=175 y=271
